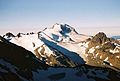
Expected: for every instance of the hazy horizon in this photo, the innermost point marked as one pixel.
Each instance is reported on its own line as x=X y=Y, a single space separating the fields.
x=86 y=16
x=80 y=30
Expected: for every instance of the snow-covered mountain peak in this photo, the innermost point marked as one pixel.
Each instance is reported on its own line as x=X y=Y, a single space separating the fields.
x=63 y=28
x=53 y=43
x=50 y=55
x=63 y=33
x=56 y=27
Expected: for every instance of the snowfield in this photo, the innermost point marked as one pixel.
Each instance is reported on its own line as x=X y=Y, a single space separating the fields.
x=62 y=37
x=59 y=53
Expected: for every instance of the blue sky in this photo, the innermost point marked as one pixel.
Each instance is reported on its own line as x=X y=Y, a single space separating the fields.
x=87 y=16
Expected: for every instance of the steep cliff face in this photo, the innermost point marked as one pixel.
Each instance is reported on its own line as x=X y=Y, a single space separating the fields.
x=103 y=50
x=59 y=53
x=16 y=63
x=53 y=45
x=53 y=57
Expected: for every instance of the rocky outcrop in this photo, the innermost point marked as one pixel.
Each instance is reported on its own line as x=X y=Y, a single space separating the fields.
x=53 y=57
x=57 y=62
x=8 y=36
x=103 y=51
x=98 y=39
x=16 y=63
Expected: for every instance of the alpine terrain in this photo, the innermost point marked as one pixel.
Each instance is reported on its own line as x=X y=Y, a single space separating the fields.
x=59 y=53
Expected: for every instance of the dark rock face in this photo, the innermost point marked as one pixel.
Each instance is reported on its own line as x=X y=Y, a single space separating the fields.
x=9 y=34
x=56 y=59
x=20 y=34
x=103 y=50
x=65 y=29
x=18 y=64
x=98 y=39
x=17 y=61
x=108 y=45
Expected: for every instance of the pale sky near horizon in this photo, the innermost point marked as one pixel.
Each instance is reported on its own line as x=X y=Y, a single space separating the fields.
x=86 y=16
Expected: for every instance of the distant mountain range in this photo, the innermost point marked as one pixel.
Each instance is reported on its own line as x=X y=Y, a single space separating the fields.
x=116 y=37
x=59 y=53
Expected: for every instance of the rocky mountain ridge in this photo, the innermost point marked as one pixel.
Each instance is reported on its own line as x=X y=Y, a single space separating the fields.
x=60 y=47
x=18 y=64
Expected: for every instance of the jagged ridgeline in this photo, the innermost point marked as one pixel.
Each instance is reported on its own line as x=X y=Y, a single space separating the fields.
x=49 y=45
x=103 y=50
x=57 y=53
